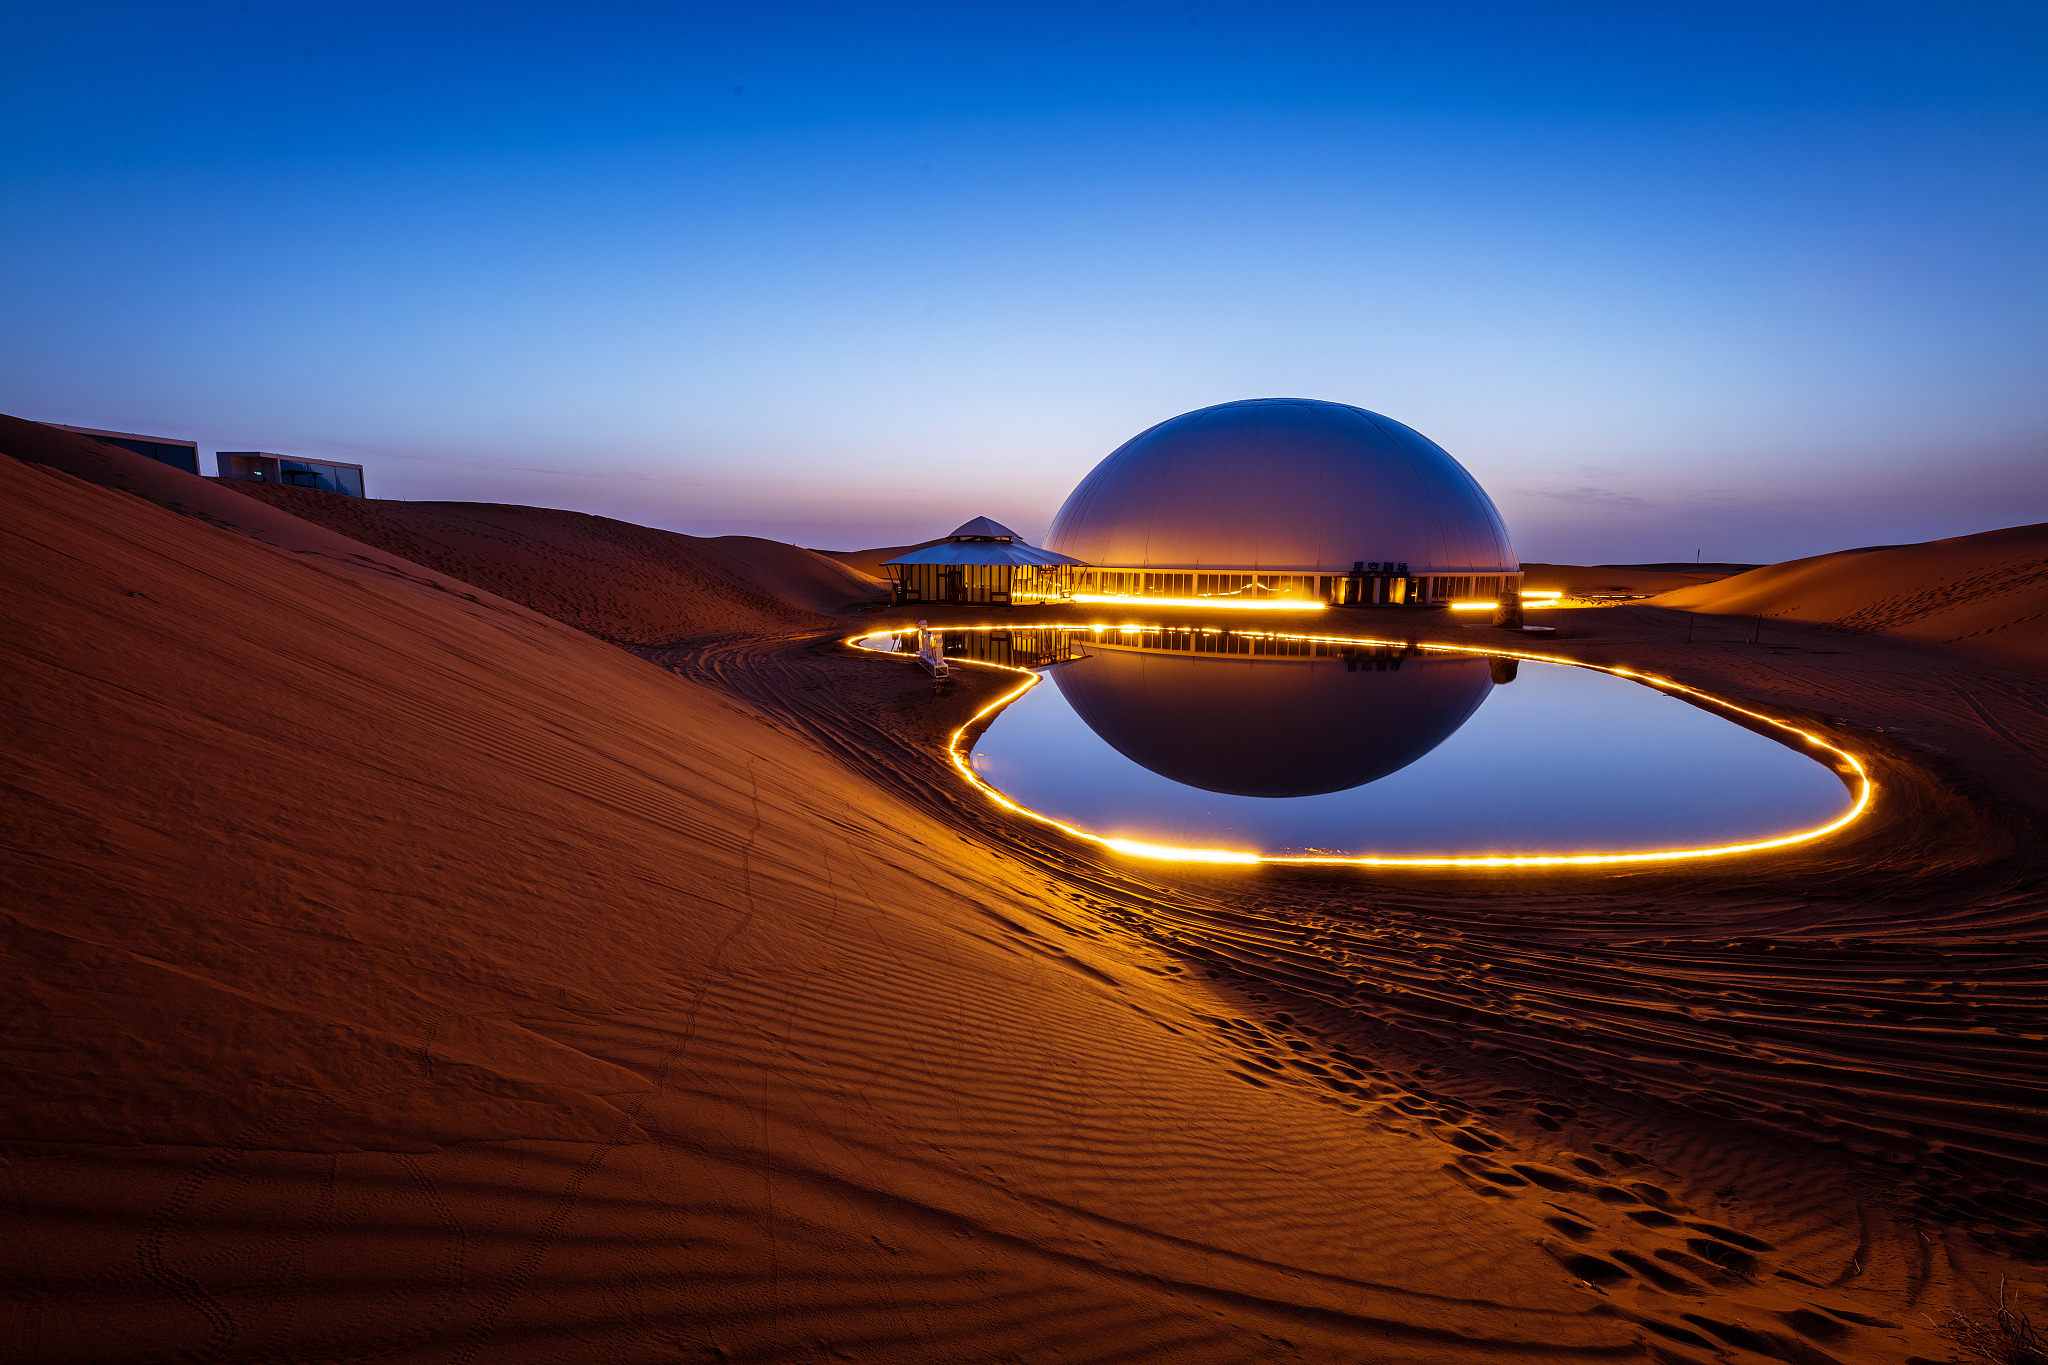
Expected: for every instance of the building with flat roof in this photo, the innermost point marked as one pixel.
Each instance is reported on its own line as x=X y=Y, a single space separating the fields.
x=1285 y=498
x=258 y=466
x=165 y=449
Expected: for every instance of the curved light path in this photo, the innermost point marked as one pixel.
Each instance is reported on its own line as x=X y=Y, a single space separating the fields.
x=956 y=752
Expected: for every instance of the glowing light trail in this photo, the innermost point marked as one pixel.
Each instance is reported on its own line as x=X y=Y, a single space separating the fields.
x=1179 y=855
x=1529 y=599
x=1222 y=603
x=1849 y=767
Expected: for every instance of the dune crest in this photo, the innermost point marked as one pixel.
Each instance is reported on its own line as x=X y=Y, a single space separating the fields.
x=620 y=582
x=870 y=562
x=1593 y=581
x=1984 y=594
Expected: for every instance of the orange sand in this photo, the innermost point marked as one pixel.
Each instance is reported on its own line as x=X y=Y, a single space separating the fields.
x=624 y=583
x=396 y=972
x=1593 y=582
x=1984 y=595
x=870 y=562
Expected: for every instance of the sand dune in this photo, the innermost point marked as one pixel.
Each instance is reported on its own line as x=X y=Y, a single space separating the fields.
x=416 y=977
x=210 y=500
x=870 y=562
x=620 y=582
x=397 y=973
x=1984 y=594
x=1592 y=582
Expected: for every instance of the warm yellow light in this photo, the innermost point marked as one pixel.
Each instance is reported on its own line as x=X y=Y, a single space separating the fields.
x=1168 y=853
x=1225 y=603
x=1850 y=767
x=1488 y=606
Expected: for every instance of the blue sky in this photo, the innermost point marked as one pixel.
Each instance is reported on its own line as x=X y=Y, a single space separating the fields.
x=1755 y=280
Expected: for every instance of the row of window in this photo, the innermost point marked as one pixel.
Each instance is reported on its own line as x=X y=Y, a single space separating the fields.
x=1142 y=583
x=999 y=583
x=979 y=583
x=1322 y=587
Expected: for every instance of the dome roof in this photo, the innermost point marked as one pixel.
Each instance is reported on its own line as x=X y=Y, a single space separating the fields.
x=1264 y=727
x=1286 y=485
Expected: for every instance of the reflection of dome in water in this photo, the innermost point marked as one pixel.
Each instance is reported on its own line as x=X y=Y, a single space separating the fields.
x=1283 y=484
x=1270 y=727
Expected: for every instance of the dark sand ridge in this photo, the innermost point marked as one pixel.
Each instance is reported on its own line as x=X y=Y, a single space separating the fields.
x=870 y=562
x=1985 y=595
x=1589 y=581
x=623 y=583
x=409 y=976
x=620 y=582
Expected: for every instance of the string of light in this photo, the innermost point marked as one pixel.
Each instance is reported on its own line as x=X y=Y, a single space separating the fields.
x=1849 y=766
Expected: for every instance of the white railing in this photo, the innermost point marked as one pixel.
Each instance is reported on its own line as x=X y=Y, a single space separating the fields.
x=931 y=650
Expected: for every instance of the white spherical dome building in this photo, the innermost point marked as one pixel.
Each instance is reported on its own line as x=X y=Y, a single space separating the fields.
x=1286 y=497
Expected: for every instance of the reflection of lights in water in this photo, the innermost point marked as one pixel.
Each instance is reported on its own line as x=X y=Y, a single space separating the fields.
x=1223 y=603
x=1529 y=599
x=1849 y=767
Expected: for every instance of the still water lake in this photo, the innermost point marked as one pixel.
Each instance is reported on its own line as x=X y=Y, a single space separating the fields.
x=1220 y=740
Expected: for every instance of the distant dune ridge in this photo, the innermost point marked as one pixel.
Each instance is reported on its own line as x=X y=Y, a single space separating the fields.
x=392 y=970
x=623 y=583
x=1573 y=579
x=870 y=562
x=1986 y=594
x=1620 y=580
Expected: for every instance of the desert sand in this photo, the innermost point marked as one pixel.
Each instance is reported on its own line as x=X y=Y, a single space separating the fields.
x=869 y=562
x=398 y=970
x=1589 y=583
x=620 y=582
x=1984 y=595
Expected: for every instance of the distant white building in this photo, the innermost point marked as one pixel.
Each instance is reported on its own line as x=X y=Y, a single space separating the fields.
x=170 y=450
x=257 y=466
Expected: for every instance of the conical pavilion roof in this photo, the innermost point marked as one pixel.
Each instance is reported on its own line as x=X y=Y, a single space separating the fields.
x=982 y=528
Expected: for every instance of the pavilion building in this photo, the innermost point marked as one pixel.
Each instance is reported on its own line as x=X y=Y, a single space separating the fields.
x=982 y=562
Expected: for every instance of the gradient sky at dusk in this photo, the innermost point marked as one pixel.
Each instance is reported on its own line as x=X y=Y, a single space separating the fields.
x=1760 y=280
